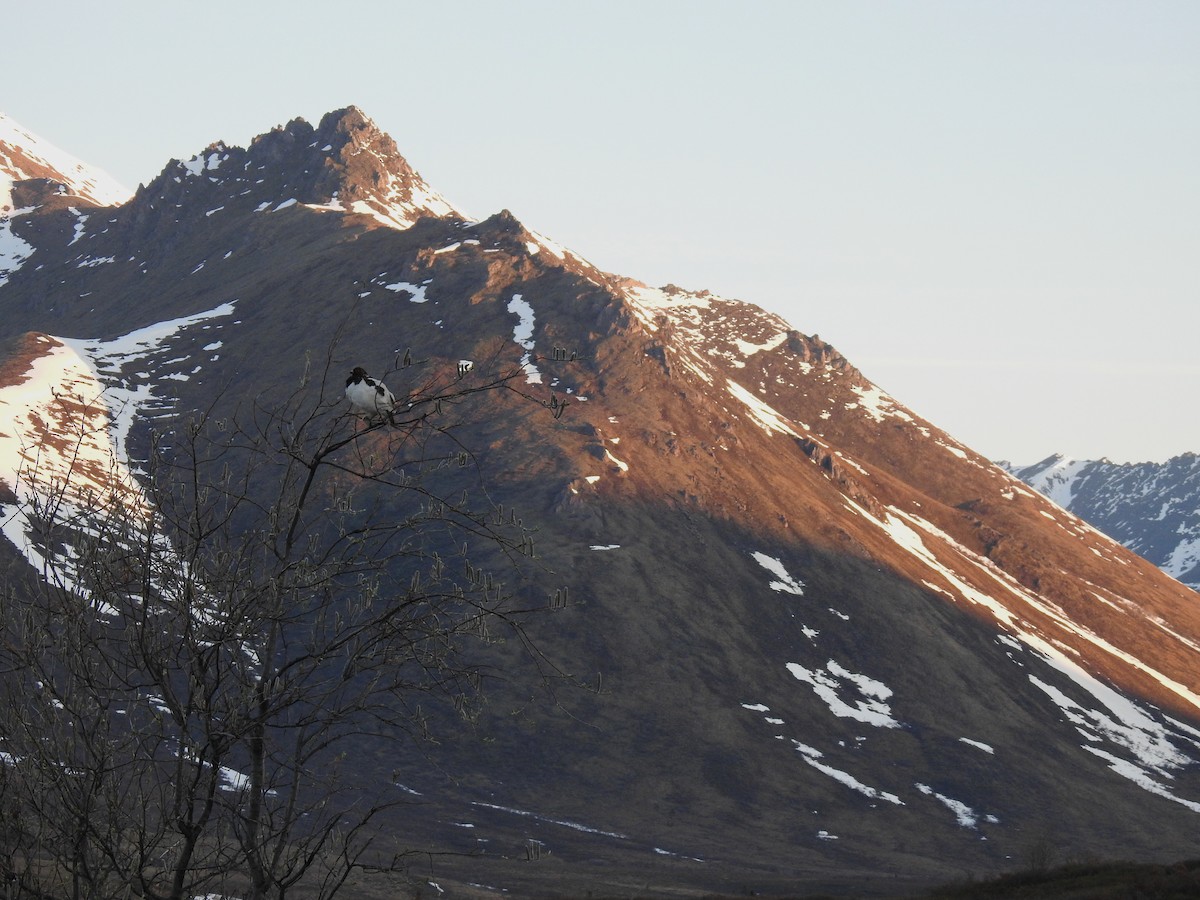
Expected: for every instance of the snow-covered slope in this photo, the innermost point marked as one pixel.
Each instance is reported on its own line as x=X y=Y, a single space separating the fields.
x=1151 y=508
x=66 y=409
x=26 y=159
x=24 y=155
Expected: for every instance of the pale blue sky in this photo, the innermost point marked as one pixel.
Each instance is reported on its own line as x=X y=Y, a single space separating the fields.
x=991 y=208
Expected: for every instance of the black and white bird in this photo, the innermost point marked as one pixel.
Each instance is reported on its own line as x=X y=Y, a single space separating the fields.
x=369 y=397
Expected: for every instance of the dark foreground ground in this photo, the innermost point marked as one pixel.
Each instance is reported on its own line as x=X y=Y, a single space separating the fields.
x=485 y=851
x=1101 y=881
x=542 y=878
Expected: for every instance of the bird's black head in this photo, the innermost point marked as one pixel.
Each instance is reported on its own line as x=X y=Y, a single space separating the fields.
x=358 y=374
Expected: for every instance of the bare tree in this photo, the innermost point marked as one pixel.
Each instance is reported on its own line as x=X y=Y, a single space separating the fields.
x=181 y=683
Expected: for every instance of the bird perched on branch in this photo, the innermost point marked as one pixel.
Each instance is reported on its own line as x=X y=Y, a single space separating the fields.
x=369 y=397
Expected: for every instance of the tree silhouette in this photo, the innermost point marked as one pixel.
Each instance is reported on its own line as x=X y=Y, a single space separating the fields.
x=182 y=682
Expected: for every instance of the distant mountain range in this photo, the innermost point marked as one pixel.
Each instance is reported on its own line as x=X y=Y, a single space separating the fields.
x=829 y=648
x=1151 y=508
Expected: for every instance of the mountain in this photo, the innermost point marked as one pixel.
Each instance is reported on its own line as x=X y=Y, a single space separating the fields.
x=1151 y=508
x=820 y=645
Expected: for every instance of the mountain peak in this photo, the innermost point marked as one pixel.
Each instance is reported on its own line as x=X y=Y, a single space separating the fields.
x=26 y=157
x=359 y=168
x=345 y=164
x=351 y=121
x=336 y=128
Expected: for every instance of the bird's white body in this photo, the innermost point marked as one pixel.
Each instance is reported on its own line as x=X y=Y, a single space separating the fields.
x=369 y=397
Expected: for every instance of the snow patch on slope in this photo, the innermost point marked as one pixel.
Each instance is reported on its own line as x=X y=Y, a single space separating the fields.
x=13 y=250
x=417 y=290
x=831 y=682
x=812 y=756
x=1056 y=478
x=764 y=415
x=748 y=349
x=201 y=163
x=523 y=336
x=879 y=405
x=966 y=816
x=785 y=583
